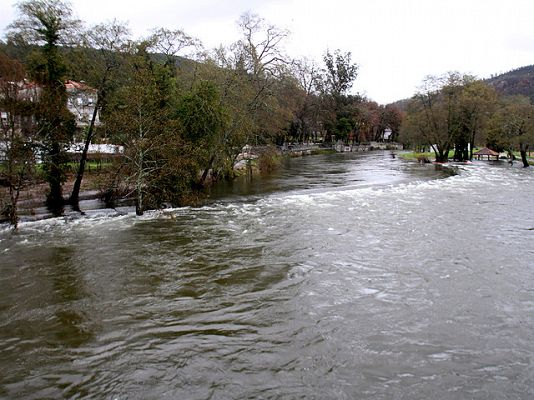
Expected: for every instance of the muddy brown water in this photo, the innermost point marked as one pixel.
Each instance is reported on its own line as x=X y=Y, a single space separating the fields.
x=350 y=276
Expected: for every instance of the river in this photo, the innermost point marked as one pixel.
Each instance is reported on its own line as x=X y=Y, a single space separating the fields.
x=349 y=276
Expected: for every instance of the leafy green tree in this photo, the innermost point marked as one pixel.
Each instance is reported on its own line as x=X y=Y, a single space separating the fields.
x=203 y=122
x=344 y=127
x=48 y=24
x=476 y=102
x=512 y=127
x=339 y=73
x=237 y=94
x=337 y=79
x=167 y=137
x=140 y=121
x=449 y=113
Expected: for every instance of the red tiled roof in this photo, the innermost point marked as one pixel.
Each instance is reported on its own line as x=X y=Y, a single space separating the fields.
x=77 y=85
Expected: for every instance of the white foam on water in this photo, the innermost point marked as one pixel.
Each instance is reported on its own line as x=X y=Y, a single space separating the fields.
x=353 y=199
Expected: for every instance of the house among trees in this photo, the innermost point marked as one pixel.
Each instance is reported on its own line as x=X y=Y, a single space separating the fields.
x=82 y=102
x=22 y=91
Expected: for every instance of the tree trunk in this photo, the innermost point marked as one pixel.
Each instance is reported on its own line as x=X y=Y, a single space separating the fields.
x=461 y=151
x=440 y=158
x=472 y=146
x=12 y=213
x=206 y=171
x=13 y=191
x=523 y=150
x=139 y=206
x=74 y=199
x=442 y=155
x=54 y=200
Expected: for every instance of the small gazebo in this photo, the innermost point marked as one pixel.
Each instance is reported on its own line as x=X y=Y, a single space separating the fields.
x=486 y=152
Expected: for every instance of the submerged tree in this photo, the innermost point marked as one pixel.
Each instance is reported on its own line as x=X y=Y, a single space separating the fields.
x=138 y=122
x=162 y=155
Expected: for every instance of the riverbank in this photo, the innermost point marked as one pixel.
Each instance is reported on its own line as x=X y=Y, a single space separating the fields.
x=253 y=160
x=430 y=155
x=258 y=159
x=31 y=204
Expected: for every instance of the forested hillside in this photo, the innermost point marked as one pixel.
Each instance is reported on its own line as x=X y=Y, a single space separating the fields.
x=517 y=82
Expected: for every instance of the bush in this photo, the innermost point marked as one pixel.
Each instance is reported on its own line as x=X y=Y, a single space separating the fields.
x=269 y=159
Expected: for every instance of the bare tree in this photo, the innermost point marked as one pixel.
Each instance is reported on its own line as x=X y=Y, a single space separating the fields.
x=171 y=43
x=307 y=75
x=260 y=48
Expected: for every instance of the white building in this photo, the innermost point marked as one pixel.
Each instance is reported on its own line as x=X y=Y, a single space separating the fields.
x=81 y=102
x=387 y=134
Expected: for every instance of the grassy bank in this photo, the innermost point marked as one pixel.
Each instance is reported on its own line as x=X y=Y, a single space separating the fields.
x=415 y=156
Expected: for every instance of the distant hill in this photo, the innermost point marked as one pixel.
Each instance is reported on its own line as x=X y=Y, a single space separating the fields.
x=401 y=104
x=78 y=71
x=520 y=81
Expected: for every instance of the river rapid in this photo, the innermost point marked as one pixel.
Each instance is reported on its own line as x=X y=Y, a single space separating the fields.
x=349 y=276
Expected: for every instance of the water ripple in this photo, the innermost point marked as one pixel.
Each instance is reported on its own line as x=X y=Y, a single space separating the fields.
x=378 y=282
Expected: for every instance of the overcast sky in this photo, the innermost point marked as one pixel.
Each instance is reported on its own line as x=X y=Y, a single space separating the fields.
x=396 y=43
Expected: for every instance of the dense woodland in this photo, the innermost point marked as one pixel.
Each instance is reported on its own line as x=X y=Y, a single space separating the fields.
x=183 y=113
x=520 y=81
